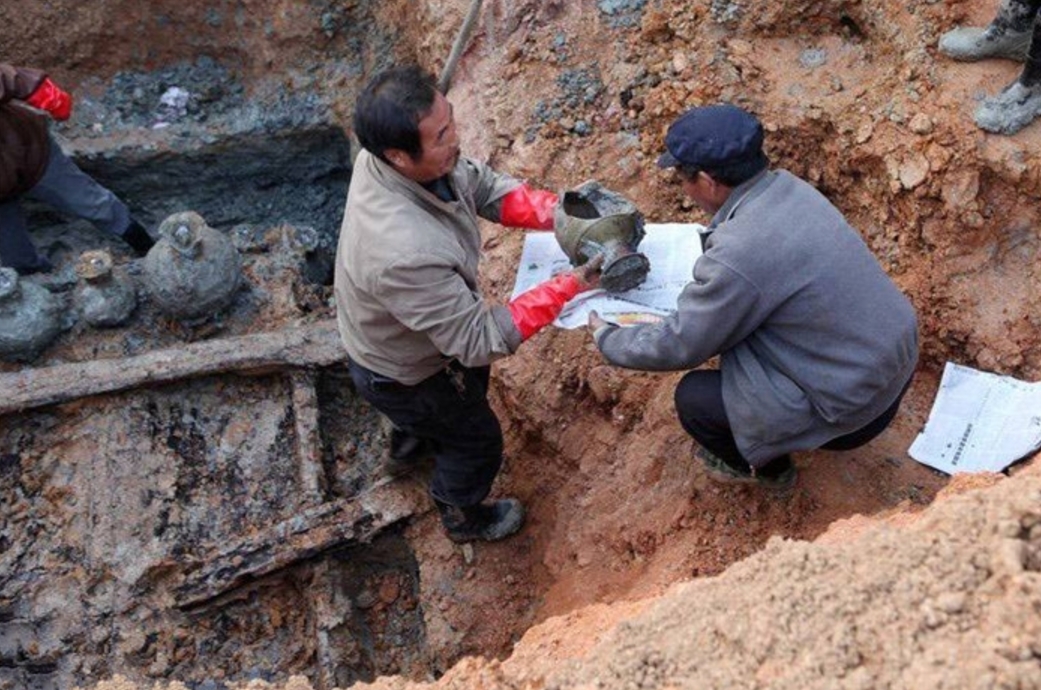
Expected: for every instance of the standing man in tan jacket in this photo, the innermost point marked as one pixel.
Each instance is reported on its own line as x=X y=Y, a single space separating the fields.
x=419 y=334
x=33 y=165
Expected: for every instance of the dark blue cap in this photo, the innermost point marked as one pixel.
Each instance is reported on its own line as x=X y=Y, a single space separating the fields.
x=713 y=136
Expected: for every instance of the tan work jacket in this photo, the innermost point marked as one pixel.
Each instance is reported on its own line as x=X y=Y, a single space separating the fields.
x=407 y=300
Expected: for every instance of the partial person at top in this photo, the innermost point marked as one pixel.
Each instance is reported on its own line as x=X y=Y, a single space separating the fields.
x=1013 y=34
x=816 y=344
x=419 y=333
x=33 y=166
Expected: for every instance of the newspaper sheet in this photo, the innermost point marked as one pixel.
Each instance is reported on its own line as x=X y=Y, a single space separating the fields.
x=671 y=249
x=980 y=422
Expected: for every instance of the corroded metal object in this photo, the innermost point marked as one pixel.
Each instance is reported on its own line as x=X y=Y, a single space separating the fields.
x=593 y=221
x=30 y=317
x=104 y=298
x=193 y=271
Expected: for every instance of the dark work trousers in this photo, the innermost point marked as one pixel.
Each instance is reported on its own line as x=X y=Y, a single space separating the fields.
x=450 y=412
x=67 y=189
x=1023 y=15
x=699 y=405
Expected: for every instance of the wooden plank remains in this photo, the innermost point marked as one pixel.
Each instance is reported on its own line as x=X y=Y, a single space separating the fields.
x=332 y=525
x=311 y=345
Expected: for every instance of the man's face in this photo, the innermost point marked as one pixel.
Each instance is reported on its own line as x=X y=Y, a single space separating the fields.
x=440 y=145
x=703 y=191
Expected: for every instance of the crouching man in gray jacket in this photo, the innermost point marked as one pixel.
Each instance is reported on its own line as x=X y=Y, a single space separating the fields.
x=817 y=345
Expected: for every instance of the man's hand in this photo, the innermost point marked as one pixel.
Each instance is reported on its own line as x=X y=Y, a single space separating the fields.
x=49 y=97
x=525 y=207
x=588 y=274
x=595 y=322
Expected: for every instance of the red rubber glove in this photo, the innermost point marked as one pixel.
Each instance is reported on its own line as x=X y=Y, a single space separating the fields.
x=525 y=207
x=536 y=308
x=49 y=97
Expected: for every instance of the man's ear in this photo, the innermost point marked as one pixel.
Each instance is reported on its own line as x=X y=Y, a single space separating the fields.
x=718 y=191
x=398 y=157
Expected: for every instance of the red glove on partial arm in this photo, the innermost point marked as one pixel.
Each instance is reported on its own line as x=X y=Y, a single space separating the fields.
x=536 y=308
x=49 y=97
x=525 y=207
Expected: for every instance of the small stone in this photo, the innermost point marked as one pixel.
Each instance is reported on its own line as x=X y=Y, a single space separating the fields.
x=864 y=131
x=680 y=63
x=951 y=602
x=813 y=57
x=921 y=124
x=960 y=189
x=913 y=171
x=1010 y=556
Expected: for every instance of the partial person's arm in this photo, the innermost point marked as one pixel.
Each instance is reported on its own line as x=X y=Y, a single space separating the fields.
x=526 y=207
x=715 y=312
x=541 y=305
x=429 y=296
x=506 y=200
x=35 y=88
x=18 y=82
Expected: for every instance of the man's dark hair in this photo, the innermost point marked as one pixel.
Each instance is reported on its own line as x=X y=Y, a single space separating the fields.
x=388 y=111
x=735 y=173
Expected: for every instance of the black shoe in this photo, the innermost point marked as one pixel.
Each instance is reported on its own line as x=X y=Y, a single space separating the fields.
x=138 y=238
x=484 y=521
x=39 y=265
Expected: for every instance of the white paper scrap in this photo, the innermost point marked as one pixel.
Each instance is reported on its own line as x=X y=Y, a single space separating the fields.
x=980 y=422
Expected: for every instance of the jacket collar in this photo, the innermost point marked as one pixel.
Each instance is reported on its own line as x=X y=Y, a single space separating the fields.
x=747 y=189
x=394 y=180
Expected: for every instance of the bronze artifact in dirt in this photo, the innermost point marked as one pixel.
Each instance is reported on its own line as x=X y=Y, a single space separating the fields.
x=593 y=221
x=30 y=317
x=193 y=271
x=104 y=297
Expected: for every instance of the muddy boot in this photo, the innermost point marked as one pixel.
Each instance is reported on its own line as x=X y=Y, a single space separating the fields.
x=138 y=238
x=485 y=521
x=973 y=43
x=779 y=473
x=1011 y=110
